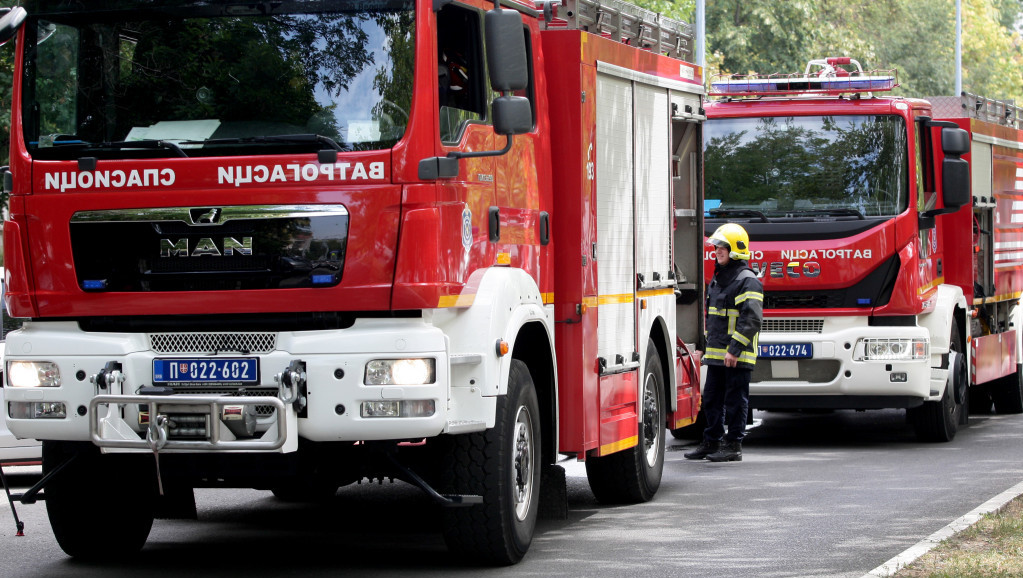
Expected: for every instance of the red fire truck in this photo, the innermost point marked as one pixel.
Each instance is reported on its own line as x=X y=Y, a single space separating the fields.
x=295 y=245
x=887 y=283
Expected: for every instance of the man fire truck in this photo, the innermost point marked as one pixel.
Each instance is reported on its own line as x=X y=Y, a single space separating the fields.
x=293 y=245
x=887 y=284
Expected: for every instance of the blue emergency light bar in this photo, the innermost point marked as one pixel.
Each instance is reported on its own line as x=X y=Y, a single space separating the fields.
x=749 y=86
x=823 y=76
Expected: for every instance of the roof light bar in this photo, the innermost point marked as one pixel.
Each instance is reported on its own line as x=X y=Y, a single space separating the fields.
x=824 y=76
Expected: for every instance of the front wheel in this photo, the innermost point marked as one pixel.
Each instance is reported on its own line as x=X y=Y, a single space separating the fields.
x=633 y=475
x=938 y=421
x=501 y=464
x=100 y=507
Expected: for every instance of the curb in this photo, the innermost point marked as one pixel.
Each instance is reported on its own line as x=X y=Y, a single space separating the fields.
x=907 y=557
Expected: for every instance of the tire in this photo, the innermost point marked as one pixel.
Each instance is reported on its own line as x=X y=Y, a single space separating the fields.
x=501 y=464
x=100 y=507
x=633 y=475
x=938 y=421
x=1007 y=393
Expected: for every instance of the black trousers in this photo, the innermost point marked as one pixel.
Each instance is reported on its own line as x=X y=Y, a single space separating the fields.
x=726 y=402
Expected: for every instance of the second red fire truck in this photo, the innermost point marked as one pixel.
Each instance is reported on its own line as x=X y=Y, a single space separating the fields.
x=888 y=233
x=295 y=245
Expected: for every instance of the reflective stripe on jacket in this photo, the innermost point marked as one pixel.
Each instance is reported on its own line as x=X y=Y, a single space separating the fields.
x=735 y=310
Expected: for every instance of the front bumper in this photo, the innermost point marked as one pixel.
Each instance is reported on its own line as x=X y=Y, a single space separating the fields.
x=834 y=372
x=334 y=361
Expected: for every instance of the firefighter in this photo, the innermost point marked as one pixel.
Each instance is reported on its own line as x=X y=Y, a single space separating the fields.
x=735 y=302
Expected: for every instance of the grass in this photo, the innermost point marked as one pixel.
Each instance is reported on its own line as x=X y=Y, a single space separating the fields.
x=993 y=547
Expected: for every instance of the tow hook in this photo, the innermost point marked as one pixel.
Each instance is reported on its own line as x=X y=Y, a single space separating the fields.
x=109 y=376
x=156 y=437
x=292 y=382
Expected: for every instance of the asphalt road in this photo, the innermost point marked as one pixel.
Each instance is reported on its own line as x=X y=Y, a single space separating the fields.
x=816 y=495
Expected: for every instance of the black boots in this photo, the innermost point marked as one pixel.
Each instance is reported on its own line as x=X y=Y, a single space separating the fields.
x=729 y=452
x=705 y=448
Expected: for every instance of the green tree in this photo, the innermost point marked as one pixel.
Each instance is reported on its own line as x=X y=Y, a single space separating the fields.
x=916 y=37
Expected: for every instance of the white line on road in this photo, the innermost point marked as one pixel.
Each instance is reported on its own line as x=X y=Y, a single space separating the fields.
x=906 y=558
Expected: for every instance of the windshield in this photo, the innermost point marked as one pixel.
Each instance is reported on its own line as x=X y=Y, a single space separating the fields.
x=848 y=167
x=202 y=77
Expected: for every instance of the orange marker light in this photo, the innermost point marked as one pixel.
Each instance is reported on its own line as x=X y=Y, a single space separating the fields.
x=502 y=348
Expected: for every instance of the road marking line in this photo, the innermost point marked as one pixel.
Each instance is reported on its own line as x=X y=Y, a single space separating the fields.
x=906 y=558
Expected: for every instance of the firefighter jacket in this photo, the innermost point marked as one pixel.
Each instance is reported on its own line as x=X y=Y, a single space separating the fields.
x=735 y=310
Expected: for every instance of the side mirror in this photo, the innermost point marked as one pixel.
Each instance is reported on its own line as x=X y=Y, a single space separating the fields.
x=506 y=50
x=955 y=141
x=10 y=22
x=955 y=172
x=512 y=115
x=955 y=182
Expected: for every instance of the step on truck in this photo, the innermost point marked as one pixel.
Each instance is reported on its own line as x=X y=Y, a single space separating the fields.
x=296 y=245
x=887 y=233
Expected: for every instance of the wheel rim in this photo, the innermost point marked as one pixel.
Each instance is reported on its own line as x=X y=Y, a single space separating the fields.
x=651 y=421
x=522 y=467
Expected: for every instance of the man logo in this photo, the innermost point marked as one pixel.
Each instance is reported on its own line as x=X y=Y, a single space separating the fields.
x=205 y=215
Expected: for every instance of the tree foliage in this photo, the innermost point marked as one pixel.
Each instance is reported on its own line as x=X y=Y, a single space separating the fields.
x=916 y=37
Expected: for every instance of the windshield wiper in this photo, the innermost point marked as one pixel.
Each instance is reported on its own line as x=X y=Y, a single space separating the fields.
x=124 y=144
x=839 y=212
x=750 y=213
x=271 y=139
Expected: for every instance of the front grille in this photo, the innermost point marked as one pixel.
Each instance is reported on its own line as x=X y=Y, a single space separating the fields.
x=792 y=326
x=210 y=343
x=248 y=247
x=804 y=299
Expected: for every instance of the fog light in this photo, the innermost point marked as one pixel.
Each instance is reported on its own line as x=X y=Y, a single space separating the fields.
x=379 y=409
x=403 y=408
x=37 y=410
x=33 y=374
x=400 y=372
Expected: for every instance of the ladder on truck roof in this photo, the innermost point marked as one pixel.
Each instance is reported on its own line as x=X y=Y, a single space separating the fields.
x=1000 y=112
x=623 y=22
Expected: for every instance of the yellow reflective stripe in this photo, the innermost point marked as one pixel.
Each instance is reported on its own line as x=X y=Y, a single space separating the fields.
x=615 y=299
x=731 y=324
x=740 y=338
x=456 y=300
x=619 y=445
x=716 y=311
x=656 y=292
x=756 y=295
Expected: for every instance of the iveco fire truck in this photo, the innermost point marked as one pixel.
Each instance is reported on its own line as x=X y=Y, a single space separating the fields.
x=888 y=284
x=295 y=245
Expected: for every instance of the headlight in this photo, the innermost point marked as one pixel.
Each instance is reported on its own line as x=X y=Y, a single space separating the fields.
x=400 y=372
x=891 y=349
x=33 y=374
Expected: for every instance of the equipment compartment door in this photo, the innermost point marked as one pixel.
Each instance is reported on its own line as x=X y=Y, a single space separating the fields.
x=615 y=247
